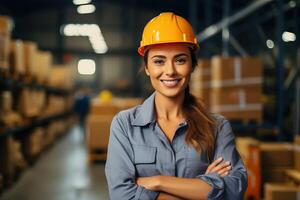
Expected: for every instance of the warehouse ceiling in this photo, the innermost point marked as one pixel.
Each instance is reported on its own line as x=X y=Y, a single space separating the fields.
x=261 y=23
x=14 y=7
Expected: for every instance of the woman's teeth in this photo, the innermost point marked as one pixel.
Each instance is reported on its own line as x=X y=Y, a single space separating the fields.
x=170 y=83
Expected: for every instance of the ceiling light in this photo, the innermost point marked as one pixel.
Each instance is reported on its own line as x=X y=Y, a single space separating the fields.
x=92 y=31
x=270 y=44
x=288 y=36
x=292 y=4
x=86 y=67
x=81 y=2
x=86 y=9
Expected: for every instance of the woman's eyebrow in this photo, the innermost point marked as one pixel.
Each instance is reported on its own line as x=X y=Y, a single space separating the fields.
x=182 y=54
x=158 y=56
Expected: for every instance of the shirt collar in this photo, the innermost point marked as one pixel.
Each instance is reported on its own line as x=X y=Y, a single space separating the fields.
x=145 y=114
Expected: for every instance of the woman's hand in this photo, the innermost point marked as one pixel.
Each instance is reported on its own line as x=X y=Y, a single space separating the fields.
x=150 y=183
x=222 y=168
x=165 y=196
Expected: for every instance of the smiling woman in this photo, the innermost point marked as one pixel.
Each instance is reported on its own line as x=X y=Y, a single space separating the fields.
x=169 y=67
x=171 y=147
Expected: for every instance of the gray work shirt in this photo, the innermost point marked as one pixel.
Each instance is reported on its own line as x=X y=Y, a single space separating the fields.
x=138 y=148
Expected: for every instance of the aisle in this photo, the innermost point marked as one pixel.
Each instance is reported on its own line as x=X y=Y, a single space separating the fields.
x=62 y=173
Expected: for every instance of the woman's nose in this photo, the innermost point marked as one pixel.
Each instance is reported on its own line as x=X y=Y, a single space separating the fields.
x=170 y=69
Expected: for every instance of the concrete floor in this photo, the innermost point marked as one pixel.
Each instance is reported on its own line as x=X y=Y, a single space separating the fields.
x=62 y=173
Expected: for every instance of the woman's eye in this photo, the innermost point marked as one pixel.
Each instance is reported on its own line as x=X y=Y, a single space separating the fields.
x=158 y=62
x=181 y=61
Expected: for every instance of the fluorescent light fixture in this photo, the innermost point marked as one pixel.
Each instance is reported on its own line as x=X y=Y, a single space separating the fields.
x=288 y=36
x=86 y=9
x=92 y=31
x=81 y=2
x=270 y=44
x=86 y=67
x=292 y=4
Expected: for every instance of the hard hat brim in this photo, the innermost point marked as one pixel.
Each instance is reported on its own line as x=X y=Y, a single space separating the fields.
x=143 y=49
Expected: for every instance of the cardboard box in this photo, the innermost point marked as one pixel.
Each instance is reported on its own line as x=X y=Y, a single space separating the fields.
x=16 y=57
x=200 y=81
x=246 y=113
x=30 y=49
x=35 y=142
x=61 y=76
x=275 y=191
x=126 y=103
x=28 y=103
x=5 y=34
x=236 y=88
x=297 y=152
x=55 y=105
x=239 y=70
x=97 y=131
x=98 y=108
x=43 y=63
x=236 y=95
x=297 y=157
x=7 y=168
x=243 y=144
x=274 y=174
x=6 y=101
x=274 y=155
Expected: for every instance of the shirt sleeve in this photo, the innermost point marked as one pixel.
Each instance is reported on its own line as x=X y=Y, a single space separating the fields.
x=119 y=168
x=234 y=185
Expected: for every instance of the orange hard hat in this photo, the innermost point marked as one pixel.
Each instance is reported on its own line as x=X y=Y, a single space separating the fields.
x=167 y=28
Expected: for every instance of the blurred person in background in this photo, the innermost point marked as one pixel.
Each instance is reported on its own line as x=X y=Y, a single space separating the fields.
x=82 y=105
x=171 y=147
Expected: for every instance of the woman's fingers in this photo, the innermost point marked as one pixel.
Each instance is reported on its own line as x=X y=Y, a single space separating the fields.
x=213 y=165
x=224 y=174
x=224 y=171
x=220 y=166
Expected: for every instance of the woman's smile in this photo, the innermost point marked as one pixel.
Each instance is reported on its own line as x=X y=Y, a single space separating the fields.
x=170 y=83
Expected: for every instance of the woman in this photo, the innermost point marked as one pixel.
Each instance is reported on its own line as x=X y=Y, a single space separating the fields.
x=170 y=147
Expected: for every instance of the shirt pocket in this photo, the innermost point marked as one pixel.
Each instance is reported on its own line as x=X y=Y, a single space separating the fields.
x=145 y=160
x=196 y=163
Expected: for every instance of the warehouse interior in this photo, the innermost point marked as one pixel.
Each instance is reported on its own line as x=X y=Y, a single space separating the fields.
x=67 y=67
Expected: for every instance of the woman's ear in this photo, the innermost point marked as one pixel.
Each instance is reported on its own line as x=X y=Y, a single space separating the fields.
x=147 y=71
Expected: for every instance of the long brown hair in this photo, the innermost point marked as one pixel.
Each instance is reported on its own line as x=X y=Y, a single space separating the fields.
x=201 y=125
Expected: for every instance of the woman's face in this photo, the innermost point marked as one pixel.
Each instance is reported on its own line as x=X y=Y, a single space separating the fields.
x=169 y=67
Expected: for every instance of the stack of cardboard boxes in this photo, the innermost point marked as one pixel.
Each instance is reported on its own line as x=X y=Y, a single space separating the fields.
x=200 y=81
x=269 y=165
x=8 y=117
x=5 y=35
x=99 y=121
x=31 y=92
x=16 y=58
x=11 y=159
x=236 y=88
x=61 y=76
x=277 y=191
x=231 y=86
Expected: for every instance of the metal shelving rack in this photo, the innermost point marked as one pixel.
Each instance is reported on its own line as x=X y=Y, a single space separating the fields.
x=8 y=83
x=277 y=10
